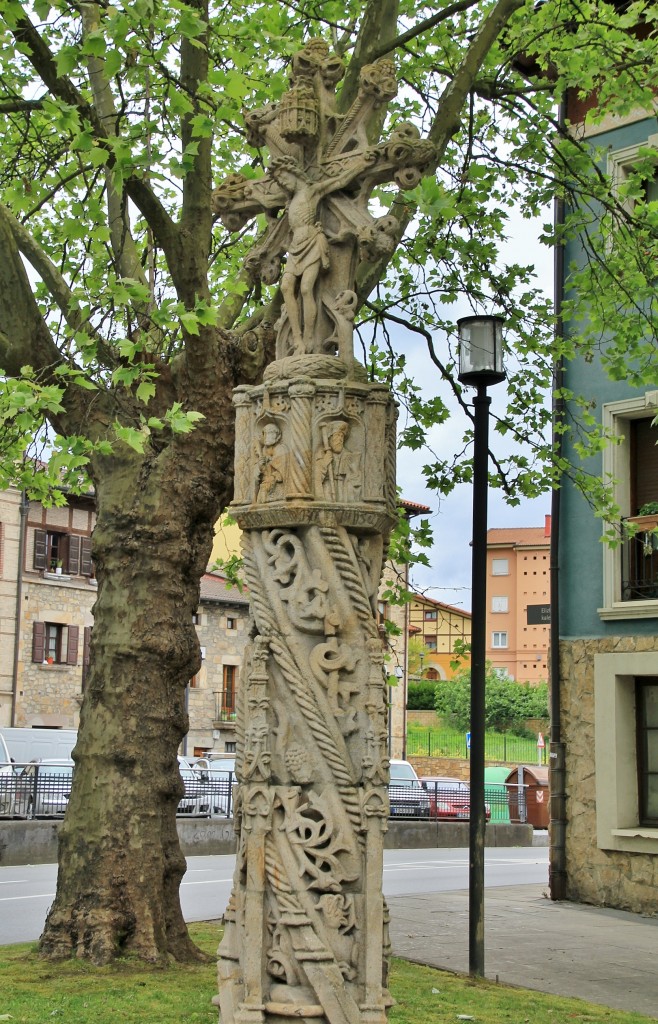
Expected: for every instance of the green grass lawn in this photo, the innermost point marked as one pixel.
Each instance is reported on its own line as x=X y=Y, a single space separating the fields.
x=33 y=991
x=498 y=746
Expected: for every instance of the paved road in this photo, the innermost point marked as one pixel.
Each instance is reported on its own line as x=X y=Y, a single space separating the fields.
x=27 y=892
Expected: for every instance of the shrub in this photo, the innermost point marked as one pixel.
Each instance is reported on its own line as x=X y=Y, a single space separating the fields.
x=420 y=696
x=507 y=703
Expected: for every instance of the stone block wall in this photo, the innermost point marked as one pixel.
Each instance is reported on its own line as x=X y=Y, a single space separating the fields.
x=614 y=878
x=221 y=646
x=51 y=694
x=9 y=540
x=451 y=767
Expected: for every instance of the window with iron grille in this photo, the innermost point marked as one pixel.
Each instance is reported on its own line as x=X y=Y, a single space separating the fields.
x=646 y=706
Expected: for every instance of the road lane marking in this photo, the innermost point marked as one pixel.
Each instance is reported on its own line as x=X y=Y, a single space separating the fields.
x=208 y=881
x=36 y=896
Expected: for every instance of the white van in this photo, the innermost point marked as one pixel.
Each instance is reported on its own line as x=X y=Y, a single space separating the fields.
x=26 y=745
x=406 y=795
x=6 y=779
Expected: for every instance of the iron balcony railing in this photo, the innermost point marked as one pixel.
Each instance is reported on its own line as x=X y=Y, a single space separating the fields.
x=225 y=705
x=639 y=560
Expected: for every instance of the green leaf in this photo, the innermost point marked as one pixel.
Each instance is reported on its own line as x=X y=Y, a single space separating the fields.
x=66 y=60
x=190 y=321
x=135 y=439
x=145 y=390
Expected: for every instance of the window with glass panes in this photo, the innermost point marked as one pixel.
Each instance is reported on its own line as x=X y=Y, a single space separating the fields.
x=646 y=704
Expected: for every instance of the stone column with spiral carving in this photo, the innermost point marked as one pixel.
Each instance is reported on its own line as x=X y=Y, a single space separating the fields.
x=305 y=931
x=306 y=928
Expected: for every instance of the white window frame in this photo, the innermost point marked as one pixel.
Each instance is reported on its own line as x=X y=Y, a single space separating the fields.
x=615 y=752
x=499 y=646
x=500 y=604
x=621 y=164
x=616 y=468
x=499 y=572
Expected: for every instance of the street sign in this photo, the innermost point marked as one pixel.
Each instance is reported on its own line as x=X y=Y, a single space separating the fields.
x=538 y=615
x=468 y=741
x=540 y=749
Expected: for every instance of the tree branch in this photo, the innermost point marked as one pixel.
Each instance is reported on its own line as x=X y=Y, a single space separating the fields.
x=196 y=216
x=57 y=286
x=378 y=27
x=43 y=62
x=448 y=120
x=123 y=245
x=18 y=106
x=420 y=28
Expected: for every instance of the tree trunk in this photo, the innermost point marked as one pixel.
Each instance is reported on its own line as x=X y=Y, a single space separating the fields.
x=120 y=863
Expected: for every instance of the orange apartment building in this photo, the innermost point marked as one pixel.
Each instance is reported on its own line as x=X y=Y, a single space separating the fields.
x=518 y=595
x=438 y=626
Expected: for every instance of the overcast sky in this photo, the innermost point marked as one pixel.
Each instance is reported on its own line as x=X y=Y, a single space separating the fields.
x=449 y=578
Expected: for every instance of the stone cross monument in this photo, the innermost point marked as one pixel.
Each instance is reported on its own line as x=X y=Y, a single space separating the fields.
x=306 y=926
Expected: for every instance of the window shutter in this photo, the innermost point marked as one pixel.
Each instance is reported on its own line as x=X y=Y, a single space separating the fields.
x=74 y=555
x=72 y=651
x=40 y=537
x=38 y=641
x=644 y=463
x=86 y=568
x=86 y=652
x=86 y=645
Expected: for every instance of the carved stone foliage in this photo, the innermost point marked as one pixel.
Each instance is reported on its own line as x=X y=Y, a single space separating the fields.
x=315 y=195
x=305 y=931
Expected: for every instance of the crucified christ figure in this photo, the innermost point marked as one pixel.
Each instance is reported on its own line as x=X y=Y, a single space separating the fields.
x=308 y=249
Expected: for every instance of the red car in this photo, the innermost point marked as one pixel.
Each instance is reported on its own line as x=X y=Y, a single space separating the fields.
x=450 y=799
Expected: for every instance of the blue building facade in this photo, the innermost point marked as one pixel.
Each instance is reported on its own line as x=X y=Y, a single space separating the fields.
x=608 y=626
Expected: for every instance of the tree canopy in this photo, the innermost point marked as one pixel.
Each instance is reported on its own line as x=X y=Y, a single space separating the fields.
x=128 y=313
x=113 y=114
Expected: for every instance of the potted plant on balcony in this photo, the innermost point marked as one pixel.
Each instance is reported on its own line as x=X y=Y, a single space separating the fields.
x=647 y=516
x=646 y=523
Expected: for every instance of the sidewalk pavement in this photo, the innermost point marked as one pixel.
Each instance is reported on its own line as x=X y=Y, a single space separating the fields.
x=605 y=956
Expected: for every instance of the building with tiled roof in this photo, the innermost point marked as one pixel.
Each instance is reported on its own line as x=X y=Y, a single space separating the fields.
x=439 y=626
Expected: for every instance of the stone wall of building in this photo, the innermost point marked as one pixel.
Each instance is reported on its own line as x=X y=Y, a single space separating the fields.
x=50 y=695
x=627 y=881
x=223 y=631
x=9 y=536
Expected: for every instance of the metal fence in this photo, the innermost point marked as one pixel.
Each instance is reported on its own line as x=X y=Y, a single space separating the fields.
x=451 y=801
x=508 y=749
x=42 y=791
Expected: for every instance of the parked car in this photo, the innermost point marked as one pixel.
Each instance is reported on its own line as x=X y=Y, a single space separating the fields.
x=43 y=788
x=194 y=801
x=449 y=799
x=406 y=795
x=218 y=777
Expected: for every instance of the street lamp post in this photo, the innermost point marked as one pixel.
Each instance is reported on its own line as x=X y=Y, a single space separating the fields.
x=480 y=365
